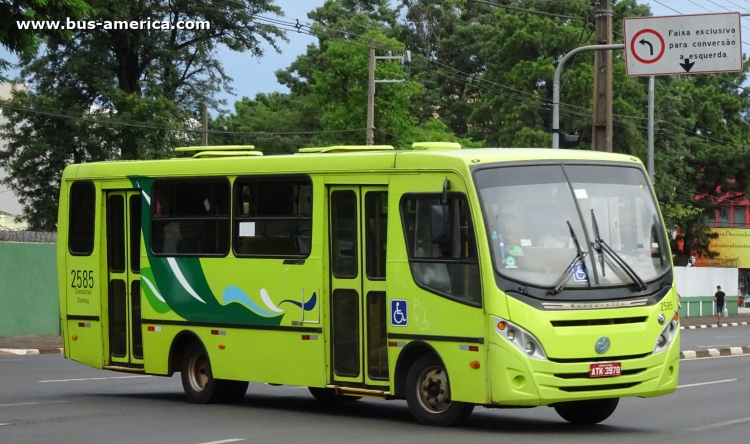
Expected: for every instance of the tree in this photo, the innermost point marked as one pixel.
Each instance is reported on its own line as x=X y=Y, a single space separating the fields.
x=266 y=122
x=126 y=93
x=25 y=41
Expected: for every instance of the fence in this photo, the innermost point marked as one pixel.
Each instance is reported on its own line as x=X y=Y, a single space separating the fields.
x=29 y=303
x=705 y=306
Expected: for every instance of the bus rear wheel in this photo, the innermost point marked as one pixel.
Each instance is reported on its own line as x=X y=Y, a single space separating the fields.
x=199 y=384
x=428 y=394
x=329 y=396
x=587 y=412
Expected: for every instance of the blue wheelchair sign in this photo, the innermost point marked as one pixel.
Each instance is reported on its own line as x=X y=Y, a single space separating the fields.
x=399 y=317
x=579 y=273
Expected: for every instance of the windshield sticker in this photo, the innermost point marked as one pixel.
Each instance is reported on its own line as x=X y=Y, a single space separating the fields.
x=510 y=262
x=579 y=273
x=581 y=194
x=525 y=242
x=515 y=250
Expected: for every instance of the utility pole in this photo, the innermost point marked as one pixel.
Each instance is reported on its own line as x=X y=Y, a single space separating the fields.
x=204 y=127
x=601 y=135
x=403 y=59
x=371 y=96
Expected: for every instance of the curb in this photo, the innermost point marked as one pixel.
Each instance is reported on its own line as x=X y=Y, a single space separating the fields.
x=729 y=324
x=715 y=352
x=31 y=351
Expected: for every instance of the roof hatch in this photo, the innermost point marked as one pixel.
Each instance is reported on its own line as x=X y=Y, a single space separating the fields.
x=435 y=146
x=220 y=151
x=346 y=149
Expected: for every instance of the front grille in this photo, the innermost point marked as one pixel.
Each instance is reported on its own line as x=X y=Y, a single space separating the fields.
x=597 y=359
x=592 y=388
x=586 y=322
x=634 y=371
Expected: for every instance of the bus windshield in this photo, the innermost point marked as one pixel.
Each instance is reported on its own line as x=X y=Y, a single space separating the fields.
x=530 y=211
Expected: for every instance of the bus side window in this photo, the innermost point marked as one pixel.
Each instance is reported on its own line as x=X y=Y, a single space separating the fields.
x=190 y=218
x=82 y=213
x=453 y=273
x=272 y=216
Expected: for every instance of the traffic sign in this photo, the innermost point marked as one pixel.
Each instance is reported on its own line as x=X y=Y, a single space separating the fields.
x=683 y=44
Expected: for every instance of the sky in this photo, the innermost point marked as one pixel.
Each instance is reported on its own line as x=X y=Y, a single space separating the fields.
x=254 y=75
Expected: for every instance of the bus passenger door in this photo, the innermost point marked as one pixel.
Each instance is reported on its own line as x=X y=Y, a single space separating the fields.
x=358 y=217
x=123 y=266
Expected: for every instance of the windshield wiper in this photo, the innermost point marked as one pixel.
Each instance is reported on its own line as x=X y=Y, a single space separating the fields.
x=602 y=247
x=580 y=256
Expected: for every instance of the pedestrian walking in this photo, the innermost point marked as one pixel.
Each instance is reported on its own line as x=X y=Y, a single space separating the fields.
x=720 y=299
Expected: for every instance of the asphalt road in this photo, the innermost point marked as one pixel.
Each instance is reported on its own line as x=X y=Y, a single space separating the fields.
x=703 y=338
x=47 y=399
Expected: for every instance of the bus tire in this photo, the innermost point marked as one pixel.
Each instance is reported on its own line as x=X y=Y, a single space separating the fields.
x=587 y=412
x=429 y=397
x=329 y=396
x=231 y=392
x=197 y=379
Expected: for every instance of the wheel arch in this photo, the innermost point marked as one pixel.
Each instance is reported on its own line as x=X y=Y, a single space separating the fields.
x=408 y=356
x=179 y=344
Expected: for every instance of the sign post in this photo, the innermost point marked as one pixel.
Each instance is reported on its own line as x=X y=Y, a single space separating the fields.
x=683 y=44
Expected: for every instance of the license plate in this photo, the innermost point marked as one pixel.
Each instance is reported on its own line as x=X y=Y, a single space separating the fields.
x=605 y=370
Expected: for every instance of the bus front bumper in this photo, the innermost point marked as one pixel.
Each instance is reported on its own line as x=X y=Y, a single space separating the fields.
x=517 y=380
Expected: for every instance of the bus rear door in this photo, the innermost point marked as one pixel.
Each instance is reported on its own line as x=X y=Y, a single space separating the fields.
x=123 y=302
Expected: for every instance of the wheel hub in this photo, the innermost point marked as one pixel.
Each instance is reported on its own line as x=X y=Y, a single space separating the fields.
x=198 y=372
x=433 y=391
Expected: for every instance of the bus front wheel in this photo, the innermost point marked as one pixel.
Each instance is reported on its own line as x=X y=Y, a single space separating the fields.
x=428 y=394
x=199 y=384
x=587 y=412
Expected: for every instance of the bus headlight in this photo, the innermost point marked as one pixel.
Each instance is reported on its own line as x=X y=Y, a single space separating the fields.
x=667 y=334
x=525 y=341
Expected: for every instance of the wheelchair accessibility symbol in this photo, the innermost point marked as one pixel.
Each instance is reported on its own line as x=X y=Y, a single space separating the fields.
x=579 y=273
x=399 y=316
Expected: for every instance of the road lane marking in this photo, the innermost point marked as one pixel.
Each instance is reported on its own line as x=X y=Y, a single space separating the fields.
x=97 y=379
x=19 y=404
x=719 y=424
x=722 y=337
x=224 y=441
x=4 y=423
x=718 y=345
x=706 y=383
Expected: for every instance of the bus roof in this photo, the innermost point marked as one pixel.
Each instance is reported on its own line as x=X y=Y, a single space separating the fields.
x=334 y=161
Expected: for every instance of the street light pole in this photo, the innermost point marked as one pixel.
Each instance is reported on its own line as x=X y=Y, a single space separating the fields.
x=556 y=85
x=651 y=128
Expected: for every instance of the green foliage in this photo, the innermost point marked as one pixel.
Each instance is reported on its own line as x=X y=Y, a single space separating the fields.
x=126 y=94
x=26 y=41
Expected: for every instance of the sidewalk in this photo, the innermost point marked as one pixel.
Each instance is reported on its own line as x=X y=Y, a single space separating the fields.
x=30 y=345
x=688 y=323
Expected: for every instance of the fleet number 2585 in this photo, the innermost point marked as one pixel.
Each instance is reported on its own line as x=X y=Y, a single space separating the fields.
x=82 y=278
